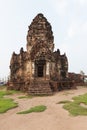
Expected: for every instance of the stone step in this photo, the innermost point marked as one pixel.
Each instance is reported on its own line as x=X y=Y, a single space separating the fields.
x=40 y=87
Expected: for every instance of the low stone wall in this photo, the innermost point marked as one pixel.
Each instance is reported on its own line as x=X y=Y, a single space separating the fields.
x=62 y=85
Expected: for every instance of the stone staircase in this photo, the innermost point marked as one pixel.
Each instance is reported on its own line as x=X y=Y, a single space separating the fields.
x=39 y=87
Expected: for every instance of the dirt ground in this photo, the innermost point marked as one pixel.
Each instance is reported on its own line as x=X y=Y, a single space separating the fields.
x=53 y=118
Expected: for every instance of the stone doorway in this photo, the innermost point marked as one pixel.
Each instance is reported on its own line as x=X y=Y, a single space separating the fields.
x=40 y=71
x=40 y=68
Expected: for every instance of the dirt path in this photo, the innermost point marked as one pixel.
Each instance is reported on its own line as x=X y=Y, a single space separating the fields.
x=54 y=118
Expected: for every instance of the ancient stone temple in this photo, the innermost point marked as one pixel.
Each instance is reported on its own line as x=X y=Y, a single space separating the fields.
x=39 y=69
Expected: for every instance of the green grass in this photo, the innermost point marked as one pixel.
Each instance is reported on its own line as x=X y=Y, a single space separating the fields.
x=40 y=108
x=3 y=87
x=74 y=107
x=27 y=96
x=7 y=92
x=67 y=93
x=63 y=102
x=2 y=94
x=6 y=103
x=32 y=96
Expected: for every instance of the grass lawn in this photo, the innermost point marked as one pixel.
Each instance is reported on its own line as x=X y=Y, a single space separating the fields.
x=6 y=103
x=26 y=96
x=7 y=92
x=74 y=107
x=40 y=108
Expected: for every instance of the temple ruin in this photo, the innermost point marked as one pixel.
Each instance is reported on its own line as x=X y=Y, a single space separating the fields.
x=40 y=69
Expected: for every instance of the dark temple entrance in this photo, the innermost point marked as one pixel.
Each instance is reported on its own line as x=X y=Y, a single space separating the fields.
x=40 y=68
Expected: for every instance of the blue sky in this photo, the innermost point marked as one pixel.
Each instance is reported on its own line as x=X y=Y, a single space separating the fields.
x=68 y=19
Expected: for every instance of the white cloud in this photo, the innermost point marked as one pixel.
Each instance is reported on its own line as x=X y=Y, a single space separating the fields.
x=75 y=45
x=76 y=29
x=60 y=6
x=81 y=2
x=72 y=30
x=84 y=28
x=76 y=52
